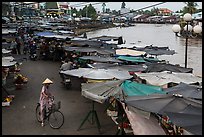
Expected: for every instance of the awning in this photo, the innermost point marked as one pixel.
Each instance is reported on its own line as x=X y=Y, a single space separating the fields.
x=161 y=103
x=90 y=73
x=159 y=67
x=100 y=59
x=132 y=88
x=165 y=77
x=185 y=90
x=99 y=92
x=129 y=52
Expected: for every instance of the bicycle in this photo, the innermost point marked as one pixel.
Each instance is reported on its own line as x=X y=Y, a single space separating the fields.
x=54 y=116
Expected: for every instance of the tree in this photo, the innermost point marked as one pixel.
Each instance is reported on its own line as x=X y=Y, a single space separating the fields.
x=89 y=11
x=107 y=10
x=147 y=12
x=114 y=12
x=190 y=7
x=123 y=5
x=74 y=10
x=154 y=11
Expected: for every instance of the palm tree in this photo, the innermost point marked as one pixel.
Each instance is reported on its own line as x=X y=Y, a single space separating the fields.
x=190 y=7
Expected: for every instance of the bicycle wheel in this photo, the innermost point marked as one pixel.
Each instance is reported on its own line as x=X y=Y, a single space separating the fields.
x=56 y=119
x=37 y=110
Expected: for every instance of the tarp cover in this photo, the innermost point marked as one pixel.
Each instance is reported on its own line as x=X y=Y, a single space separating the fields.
x=129 y=52
x=98 y=73
x=190 y=122
x=165 y=77
x=142 y=125
x=42 y=34
x=105 y=38
x=132 y=88
x=161 y=103
x=83 y=42
x=99 y=92
x=132 y=59
x=138 y=59
x=159 y=67
x=190 y=119
x=185 y=90
x=100 y=59
x=130 y=68
x=154 y=50
x=90 y=49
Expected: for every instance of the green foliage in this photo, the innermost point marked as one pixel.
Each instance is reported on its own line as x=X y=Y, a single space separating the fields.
x=190 y=7
x=87 y=11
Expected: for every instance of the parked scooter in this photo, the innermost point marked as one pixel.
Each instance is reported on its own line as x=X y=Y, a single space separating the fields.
x=66 y=81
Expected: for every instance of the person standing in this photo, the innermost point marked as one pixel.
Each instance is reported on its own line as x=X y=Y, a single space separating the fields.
x=18 y=46
x=45 y=97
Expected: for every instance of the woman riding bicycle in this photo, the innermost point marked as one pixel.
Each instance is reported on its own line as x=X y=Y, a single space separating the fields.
x=45 y=97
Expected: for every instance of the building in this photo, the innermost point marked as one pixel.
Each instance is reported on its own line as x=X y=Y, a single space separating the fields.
x=141 y=18
x=164 y=11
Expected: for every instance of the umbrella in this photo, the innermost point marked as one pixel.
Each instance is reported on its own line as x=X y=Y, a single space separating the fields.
x=102 y=65
x=161 y=103
x=7 y=62
x=165 y=77
x=99 y=92
x=97 y=73
x=4 y=51
x=185 y=90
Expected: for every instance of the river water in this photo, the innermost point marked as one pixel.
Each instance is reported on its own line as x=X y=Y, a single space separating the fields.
x=161 y=36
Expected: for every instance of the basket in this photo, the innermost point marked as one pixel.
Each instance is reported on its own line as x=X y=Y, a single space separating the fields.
x=56 y=106
x=19 y=86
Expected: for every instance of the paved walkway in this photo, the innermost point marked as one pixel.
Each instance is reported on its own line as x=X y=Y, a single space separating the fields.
x=19 y=118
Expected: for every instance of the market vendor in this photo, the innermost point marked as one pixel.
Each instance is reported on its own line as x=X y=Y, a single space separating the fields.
x=4 y=75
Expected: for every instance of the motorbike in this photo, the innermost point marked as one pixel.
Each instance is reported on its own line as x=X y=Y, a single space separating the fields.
x=66 y=81
x=33 y=52
x=33 y=55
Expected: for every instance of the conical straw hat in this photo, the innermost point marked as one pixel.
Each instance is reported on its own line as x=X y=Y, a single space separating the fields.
x=47 y=81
